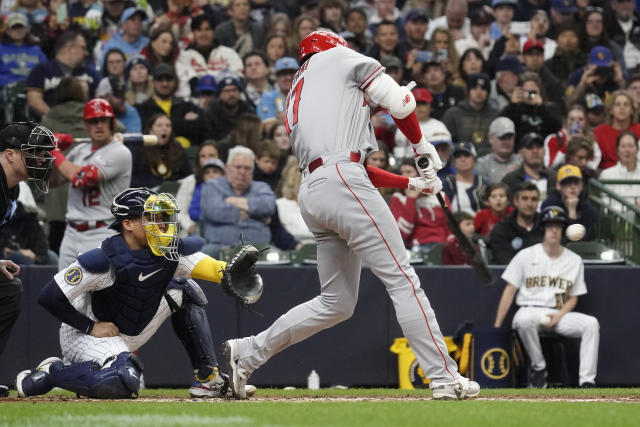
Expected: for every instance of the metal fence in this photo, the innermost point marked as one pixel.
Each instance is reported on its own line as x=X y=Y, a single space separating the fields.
x=618 y=224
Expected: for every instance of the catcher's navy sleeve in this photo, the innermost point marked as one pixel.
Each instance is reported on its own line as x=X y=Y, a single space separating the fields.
x=52 y=298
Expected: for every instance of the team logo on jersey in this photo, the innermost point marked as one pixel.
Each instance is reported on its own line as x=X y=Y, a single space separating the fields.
x=73 y=276
x=495 y=363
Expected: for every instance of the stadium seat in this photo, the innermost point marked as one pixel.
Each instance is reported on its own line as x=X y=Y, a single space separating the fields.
x=307 y=254
x=433 y=256
x=170 y=187
x=596 y=253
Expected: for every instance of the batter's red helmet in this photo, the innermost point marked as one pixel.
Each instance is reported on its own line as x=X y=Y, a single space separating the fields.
x=99 y=107
x=319 y=41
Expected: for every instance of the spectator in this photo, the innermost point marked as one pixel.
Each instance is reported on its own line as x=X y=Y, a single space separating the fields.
x=240 y=32
x=508 y=71
x=247 y=131
x=562 y=12
x=203 y=56
x=386 y=42
x=503 y=10
x=385 y=10
x=234 y=205
x=596 y=110
x=355 y=21
x=497 y=200
x=288 y=209
x=622 y=26
x=578 y=210
x=272 y=104
x=502 y=160
x=113 y=90
x=594 y=34
x=532 y=167
x=580 y=153
x=205 y=91
x=178 y=16
x=71 y=51
x=275 y=47
x=529 y=110
x=622 y=116
x=454 y=18
x=279 y=135
x=303 y=25
x=568 y=56
x=601 y=76
x=19 y=52
x=266 y=168
x=471 y=62
x=186 y=118
x=575 y=124
x=331 y=12
x=162 y=47
x=256 y=73
x=206 y=151
x=279 y=24
x=633 y=87
x=533 y=59
x=393 y=67
x=403 y=147
x=452 y=253
x=420 y=218
x=103 y=24
x=23 y=239
x=625 y=169
x=520 y=229
x=114 y=64
x=226 y=110
x=539 y=29
x=444 y=95
x=211 y=169
x=130 y=39
x=470 y=119
x=480 y=25
x=465 y=187
x=138 y=73
x=415 y=27
x=35 y=13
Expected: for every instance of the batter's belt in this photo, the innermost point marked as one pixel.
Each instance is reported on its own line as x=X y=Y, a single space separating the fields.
x=86 y=226
x=332 y=158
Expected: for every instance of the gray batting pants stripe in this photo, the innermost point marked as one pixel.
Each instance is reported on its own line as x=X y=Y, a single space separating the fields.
x=575 y=325
x=353 y=224
x=79 y=347
x=76 y=242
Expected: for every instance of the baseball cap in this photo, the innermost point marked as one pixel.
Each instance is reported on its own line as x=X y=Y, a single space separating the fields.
x=564 y=6
x=111 y=86
x=464 y=147
x=391 y=62
x=553 y=214
x=163 y=69
x=502 y=126
x=600 y=56
x=130 y=12
x=135 y=60
x=479 y=79
x=206 y=83
x=16 y=18
x=593 y=102
x=531 y=138
x=217 y=163
x=569 y=171
x=437 y=133
x=496 y=3
x=229 y=80
x=510 y=63
x=417 y=14
x=422 y=95
x=531 y=44
x=286 y=63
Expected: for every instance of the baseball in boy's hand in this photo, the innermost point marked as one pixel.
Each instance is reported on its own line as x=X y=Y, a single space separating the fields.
x=575 y=232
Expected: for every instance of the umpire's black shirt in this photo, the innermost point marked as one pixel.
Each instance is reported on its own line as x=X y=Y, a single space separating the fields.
x=8 y=199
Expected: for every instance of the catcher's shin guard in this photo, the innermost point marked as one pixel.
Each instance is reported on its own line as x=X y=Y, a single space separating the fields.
x=191 y=325
x=119 y=379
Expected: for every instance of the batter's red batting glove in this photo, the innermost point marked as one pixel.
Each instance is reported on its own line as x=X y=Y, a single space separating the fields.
x=63 y=140
x=59 y=156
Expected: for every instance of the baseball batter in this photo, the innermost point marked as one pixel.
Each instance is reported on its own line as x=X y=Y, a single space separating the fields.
x=548 y=278
x=328 y=122
x=97 y=172
x=114 y=298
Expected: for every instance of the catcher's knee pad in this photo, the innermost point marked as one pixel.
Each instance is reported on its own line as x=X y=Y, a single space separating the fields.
x=119 y=380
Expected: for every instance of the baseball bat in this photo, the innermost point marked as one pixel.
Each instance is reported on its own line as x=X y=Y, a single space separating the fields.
x=129 y=138
x=473 y=256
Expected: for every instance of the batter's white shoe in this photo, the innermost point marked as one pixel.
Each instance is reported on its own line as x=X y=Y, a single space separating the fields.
x=33 y=382
x=462 y=388
x=238 y=377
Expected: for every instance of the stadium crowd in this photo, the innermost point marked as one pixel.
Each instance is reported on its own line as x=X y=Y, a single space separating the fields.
x=525 y=101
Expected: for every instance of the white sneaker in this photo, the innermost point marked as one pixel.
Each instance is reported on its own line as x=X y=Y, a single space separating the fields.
x=238 y=376
x=462 y=388
x=215 y=387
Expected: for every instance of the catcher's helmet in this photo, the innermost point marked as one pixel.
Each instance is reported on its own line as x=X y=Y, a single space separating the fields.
x=554 y=214
x=35 y=142
x=319 y=41
x=99 y=107
x=129 y=204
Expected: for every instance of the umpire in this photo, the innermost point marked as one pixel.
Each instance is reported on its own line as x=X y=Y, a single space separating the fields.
x=24 y=155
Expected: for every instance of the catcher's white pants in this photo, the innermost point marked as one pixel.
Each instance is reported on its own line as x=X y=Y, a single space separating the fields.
x=352 y=222
x=76 y=242
x=575 y=325
x=79 y=347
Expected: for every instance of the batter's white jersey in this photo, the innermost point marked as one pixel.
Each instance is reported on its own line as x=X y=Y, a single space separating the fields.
x=544 y=281
x=328 y=92
x=114 y=165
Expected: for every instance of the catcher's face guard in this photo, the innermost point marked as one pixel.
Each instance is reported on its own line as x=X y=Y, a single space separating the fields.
x=160 y=222
x=38 y=158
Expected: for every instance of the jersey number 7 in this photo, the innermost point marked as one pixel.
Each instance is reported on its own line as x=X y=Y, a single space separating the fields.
x=295 y=93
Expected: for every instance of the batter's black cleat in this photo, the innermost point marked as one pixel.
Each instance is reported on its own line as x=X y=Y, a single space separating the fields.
x=537 y=379
x=4 y=391
x=34 y=382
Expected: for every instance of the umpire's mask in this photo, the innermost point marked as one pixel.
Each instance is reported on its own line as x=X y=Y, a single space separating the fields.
x=160 y=221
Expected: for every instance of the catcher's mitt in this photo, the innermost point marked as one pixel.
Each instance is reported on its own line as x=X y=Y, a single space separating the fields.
x=240 y=279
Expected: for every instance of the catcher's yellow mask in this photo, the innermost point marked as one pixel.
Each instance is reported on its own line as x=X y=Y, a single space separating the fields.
x=160 y=222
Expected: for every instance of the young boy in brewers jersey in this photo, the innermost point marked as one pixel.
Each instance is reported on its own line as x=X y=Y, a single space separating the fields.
x=548 y=278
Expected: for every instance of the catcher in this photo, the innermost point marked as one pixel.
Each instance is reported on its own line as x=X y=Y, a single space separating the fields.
x=112 y=299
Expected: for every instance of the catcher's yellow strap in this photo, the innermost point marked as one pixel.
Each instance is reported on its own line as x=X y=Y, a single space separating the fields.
x=209 y=269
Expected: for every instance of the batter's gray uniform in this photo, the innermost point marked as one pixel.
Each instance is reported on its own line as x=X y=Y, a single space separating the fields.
x=92 y=205
x=543 y=285
x=351 y=222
